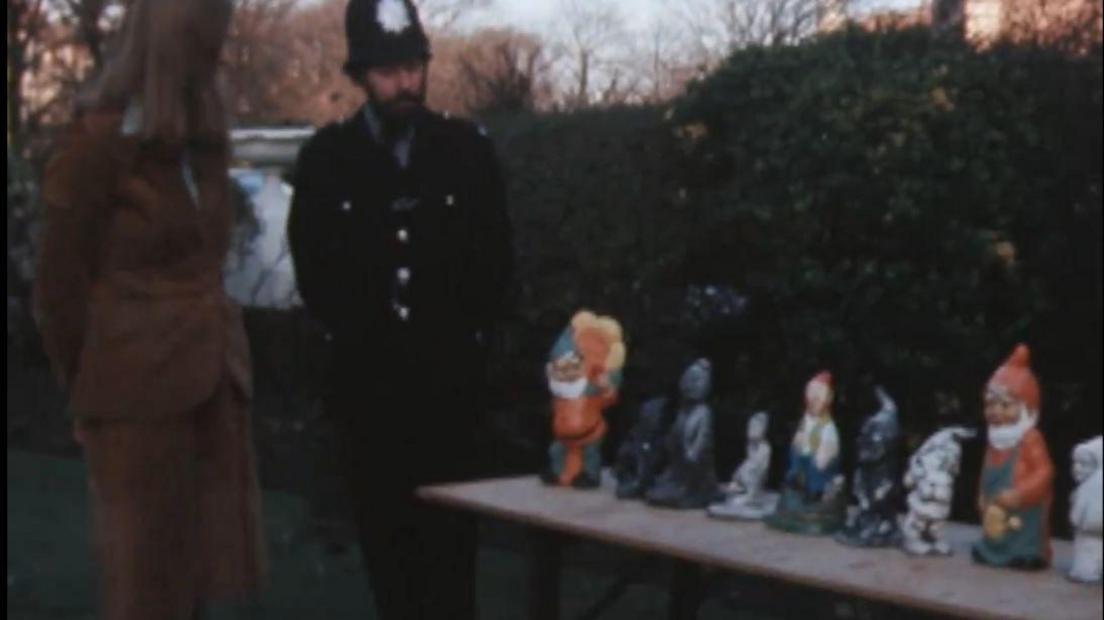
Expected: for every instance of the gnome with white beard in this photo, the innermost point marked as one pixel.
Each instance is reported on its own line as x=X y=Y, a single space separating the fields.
x=1085 y=511
x=1017 y=478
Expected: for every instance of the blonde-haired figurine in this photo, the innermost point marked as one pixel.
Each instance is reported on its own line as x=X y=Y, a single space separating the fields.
x=1017 y=478
x=584 y=375
x=1085 y=511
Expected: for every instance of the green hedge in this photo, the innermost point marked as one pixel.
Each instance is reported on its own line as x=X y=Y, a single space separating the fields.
x=897 y=209
x=905 y=211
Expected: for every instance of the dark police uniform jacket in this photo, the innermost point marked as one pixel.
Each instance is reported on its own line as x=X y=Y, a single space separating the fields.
x=407 y=268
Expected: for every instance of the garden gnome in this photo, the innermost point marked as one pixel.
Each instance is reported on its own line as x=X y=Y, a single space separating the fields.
x=875 y=484
x=812 y=499
x=641 y=455
x=1016 y=487
x=1085 y=511
x=930 y=480
x=690 y=480
x=745 y=498
x=584 y=375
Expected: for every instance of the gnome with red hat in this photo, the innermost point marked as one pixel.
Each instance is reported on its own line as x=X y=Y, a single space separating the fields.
x=812 y=501
x=1017 y=478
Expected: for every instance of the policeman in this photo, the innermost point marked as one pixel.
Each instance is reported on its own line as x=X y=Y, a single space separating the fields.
x=403 y=251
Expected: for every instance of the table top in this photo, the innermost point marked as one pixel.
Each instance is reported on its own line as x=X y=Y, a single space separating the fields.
x=945 y=585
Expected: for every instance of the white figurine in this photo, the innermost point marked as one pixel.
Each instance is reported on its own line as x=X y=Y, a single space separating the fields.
x=930 y=480
x=745 y=498
x=1085 y=511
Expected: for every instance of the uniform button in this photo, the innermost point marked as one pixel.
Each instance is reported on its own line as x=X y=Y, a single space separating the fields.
x=450 y=200
x=403 y=312
x=403 y=275
x=346 y=206
x=403 y=235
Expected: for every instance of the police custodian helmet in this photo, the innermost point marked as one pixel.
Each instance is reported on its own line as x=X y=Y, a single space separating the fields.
x=383 y=32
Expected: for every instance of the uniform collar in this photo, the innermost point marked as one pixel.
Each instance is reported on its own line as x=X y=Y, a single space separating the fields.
x=403 y=145
x=132 y=118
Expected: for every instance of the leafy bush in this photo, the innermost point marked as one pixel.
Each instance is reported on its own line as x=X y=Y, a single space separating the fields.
x=21 y=218
x=903 y=210
x=898 y=209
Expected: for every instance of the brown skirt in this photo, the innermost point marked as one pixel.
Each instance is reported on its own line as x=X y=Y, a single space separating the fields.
x=176 y=509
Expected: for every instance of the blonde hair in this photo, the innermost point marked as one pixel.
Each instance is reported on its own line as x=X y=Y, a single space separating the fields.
x=166 y=58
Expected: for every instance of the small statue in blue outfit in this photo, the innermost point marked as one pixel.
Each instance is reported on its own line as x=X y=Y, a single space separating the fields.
x=812 y=499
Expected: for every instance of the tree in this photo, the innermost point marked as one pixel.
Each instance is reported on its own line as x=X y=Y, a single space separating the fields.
x=715 y=28
x=309 y=80
x=92 y=23
x=589 y=40
x=502 y=71
x=255 y=55
x=26 y=20
x=662 y=61
x=1072 y=26
x=53 y=47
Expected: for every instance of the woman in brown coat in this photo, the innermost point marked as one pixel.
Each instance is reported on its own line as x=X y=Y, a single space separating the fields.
x=131 y=308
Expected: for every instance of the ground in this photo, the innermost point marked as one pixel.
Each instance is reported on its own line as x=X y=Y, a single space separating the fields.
x=316 y=571
x=50 y=574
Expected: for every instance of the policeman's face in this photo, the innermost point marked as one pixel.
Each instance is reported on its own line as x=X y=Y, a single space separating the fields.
x=397 y=91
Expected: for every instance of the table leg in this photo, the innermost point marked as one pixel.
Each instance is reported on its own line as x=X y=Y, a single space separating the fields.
x=687 y=591
x=544 y=575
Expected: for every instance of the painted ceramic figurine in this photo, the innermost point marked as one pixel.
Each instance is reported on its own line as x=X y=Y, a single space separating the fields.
x=690 y=479
x=930 y=481
x=812 y=499
x=745 y=498
x=584 y=375
x=640 y=458
x=1017 y=477
x=875 y=484
x=1085 y=511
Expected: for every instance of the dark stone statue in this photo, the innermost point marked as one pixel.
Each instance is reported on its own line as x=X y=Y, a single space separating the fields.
x=690 y=479
x=640 y=458
x=875 y=483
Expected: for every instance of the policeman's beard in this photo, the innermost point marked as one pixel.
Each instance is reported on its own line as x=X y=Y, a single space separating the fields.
x=401 y=113
x=1008 y=436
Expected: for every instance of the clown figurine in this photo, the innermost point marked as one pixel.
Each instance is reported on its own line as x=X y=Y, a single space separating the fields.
x=1017 y=477
x=584 y=375
x=812 y=496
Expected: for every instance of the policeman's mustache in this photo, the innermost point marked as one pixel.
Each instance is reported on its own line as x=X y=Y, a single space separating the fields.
x=412 y=98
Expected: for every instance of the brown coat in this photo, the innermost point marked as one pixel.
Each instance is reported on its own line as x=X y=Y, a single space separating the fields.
x=129 y=295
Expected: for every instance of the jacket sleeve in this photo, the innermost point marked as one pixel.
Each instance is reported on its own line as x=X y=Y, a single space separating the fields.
x=312 y=229
x=76 y=190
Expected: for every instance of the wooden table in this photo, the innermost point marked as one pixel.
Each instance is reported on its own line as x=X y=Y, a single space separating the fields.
x=953 y=586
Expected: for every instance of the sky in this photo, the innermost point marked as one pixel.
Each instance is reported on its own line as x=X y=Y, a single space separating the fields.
x=538 y=15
